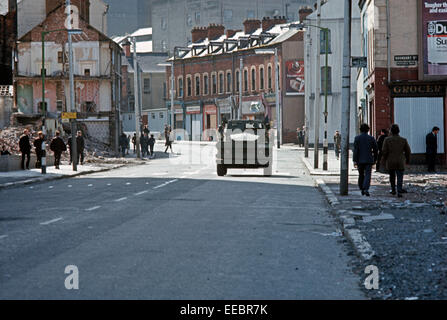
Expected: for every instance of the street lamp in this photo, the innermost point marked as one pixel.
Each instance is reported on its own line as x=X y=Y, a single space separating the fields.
x=44 y=105
x=278 y=111
x=302 y=26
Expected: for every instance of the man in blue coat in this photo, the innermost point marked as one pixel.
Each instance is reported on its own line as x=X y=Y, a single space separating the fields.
x=365 y=156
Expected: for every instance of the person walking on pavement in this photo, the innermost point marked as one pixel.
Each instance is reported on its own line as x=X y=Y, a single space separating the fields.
x=58 y=146
x=144 y=141
x=395 y=154
x=365 y=155
x=128 y=144
x=151 y=143
x=38 y=147
x=80 y=146
x=25 y=149
x=431 y=141
x=123 y=144
x=169 y=139
x=134 y=142
x=380 y=140
x=337 y=144
x=146 y=130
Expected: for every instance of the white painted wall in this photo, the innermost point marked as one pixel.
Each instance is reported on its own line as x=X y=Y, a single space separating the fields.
x=29 y=14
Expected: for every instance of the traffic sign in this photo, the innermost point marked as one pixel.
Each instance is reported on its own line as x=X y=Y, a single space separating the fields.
x=69 y=115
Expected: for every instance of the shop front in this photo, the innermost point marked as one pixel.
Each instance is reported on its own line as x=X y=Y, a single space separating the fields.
x=225 y=107
x=179 y=122
x=209 y=121
x=253 y=110
x=193 y=123
x=417 y=108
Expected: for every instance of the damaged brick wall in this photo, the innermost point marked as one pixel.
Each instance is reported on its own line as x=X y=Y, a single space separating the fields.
x=8 y=35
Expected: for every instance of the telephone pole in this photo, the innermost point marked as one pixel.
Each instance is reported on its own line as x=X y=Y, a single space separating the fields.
x=317 y=108
x=73 y=147
x=136 y=97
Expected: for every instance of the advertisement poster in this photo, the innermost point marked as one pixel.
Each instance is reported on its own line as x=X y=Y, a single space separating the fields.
x=434 y=37
x=295 y=77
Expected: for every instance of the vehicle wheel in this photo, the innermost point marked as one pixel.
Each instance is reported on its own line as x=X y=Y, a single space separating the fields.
x=269 y=170
x=221 y=170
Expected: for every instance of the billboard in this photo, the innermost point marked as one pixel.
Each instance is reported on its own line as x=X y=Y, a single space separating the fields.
x=295 y=77
x=434 y=37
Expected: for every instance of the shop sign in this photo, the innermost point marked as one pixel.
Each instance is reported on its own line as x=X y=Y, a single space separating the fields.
x=406 y=90
x=193 y=109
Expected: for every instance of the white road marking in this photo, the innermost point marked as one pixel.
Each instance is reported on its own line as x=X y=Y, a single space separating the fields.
x=51 y=221
x=182 y=177
x=121 y=199
x=128 y=184
x=93 y=208
x=70 y=186
x=50 y=187
x=142 y=192
x=109 y=184
x=90 y=185
x=3 y=237
x=165 y=184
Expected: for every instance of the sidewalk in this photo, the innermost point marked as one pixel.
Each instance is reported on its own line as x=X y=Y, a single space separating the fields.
x=18 y=178
x=333 y=164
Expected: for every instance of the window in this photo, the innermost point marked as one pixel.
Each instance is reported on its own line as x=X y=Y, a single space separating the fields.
x=147 y=85
x=163 y=45
x=189 y=20
x=261 y=78
x=164 y=23
x=88 y=107
x=180 y=87
x=205 y=84
x=228 y=81
x=221 y=83
x=87 y=72
x=197 y=85
x=228 y=15
x=61 y=58
x=153 y=115
x=59 y=105
x=250 y=14
x=164 y=90
x=253 y=79
x=189 y=86
x=323 y=42
x=197 y=16
x=269 y=77
x=245 y=80
x=323 y=77
x=161 y=115
x=214 y=83
x=237 y=81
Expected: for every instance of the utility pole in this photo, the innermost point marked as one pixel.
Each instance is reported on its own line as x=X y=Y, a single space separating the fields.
x=278 y=111
x=136 y=97
x=346 y=100
x=241 y=67
x=307 y=101
x=326 y=75
x=43 y=160
x=73 y=148
x=172 y=92
x=317 y=108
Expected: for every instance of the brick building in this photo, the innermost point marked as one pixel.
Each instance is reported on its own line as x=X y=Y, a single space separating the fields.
x=8 y=37
x=406 y=77
x=97 y=66
x=207 y=76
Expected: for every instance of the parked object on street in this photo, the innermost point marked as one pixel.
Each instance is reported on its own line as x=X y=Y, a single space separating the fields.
x=25 y=149
x=58 y=146
x=431 y=141
x=246 y=145
x=396 y=153
x=364 y=157
x=380 y=140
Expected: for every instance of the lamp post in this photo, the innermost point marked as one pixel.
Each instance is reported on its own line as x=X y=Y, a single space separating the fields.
x=278 y=109
x=44 y=104
x=326 y=76
x=137 y=97
x=172 y=91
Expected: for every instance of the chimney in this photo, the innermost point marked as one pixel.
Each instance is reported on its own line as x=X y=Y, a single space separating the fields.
x=231 y=33
x=303 y=13
x=215 y=31
x=268 y=23
x=199 y=34
x=126 y=47
x=250 y=25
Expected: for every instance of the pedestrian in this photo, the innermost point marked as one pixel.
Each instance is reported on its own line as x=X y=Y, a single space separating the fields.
x=134 y=142
x=380 y=140
x=144 y=141
x=80 y=146
x=299 y=136
x=365 y=155
x=128 y=144
x=25 y=149
x=123 y=144
x=166 y=133
x=58 y=146
x=431 y=141
x=4 y=151
x=221 y=131
x=38 y=148
x=151 y=145
x=169 y=139
x=395 y=154
x=146 y=130
x=337 y=144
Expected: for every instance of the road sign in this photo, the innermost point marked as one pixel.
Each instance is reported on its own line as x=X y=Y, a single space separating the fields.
x=359 y=62
x=69 y=115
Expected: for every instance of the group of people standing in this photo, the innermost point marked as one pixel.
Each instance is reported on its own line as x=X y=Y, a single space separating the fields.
x=57 y=145
x=391 y=152
x=147 y=143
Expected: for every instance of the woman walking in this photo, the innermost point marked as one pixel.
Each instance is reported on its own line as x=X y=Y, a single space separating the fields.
x=395 y=154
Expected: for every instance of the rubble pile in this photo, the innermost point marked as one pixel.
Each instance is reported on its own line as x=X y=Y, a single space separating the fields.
x=9 y=137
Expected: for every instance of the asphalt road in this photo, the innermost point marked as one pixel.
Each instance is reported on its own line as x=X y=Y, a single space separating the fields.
x=173 y=229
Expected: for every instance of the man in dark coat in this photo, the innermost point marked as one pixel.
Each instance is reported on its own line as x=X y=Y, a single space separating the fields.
x=123 y=144
x=431 y=141
x=395 y=154
x=144 y=142
x=151 y=145
x=365 y=155
x=38 y=146
x=80 y=147
x=25 y=149
x=380 y=140
x=58 y=146
x=337 y=144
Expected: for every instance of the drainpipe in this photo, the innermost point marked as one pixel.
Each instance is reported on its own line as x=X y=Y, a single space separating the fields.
x=388 y=36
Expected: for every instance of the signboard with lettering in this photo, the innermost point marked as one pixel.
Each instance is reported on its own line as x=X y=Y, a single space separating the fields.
x=359 y=62
x=68 y=115
x=417 y=90
x=406 y=60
